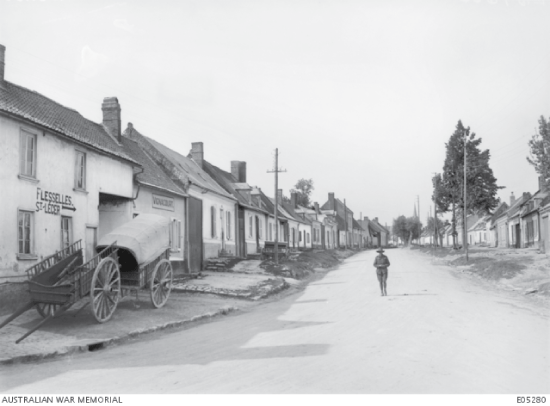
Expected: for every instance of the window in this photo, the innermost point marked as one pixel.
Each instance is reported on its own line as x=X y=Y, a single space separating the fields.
x=25 y=231
x=66 y=231
x=175 y=235
x=212 y=222
x=80 y=171
x=27 y=156
x=228 y=220
x=260 y=228
x=250 y=226
x=270 y=232
x=308 y=237
x=300 y=235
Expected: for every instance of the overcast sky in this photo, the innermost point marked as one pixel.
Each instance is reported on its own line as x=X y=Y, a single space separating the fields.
x=360 y=96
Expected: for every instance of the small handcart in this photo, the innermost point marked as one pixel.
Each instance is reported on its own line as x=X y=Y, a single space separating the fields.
x=130 y=258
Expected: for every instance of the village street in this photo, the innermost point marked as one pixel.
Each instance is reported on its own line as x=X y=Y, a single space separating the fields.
x=435 y=332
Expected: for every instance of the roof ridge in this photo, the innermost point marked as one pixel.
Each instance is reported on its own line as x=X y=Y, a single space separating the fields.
x=46 y=97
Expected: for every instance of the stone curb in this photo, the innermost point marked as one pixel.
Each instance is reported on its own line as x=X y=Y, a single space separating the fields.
x=92 y=346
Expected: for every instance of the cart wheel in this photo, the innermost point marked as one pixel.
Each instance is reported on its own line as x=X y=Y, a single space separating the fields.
x=105 y=289
x=161 y=283
x=45 y=309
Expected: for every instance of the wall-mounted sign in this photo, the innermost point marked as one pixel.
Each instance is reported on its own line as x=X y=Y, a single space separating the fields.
x=163 y=203
x=52 y=203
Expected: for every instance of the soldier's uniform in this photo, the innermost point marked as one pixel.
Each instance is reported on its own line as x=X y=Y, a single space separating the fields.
x=381 y=262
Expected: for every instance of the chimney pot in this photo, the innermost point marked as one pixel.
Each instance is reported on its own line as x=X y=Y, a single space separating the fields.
x=280 y=195
x=111 y=117
x=197 y=152
x=331 y=201
x=512 y=199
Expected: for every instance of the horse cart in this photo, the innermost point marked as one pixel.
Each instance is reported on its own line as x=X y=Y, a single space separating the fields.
x=132 y=257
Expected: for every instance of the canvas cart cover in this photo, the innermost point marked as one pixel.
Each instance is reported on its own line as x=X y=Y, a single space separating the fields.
x=146 y=237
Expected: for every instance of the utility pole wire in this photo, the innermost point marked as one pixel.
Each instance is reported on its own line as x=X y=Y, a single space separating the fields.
x=276 y=170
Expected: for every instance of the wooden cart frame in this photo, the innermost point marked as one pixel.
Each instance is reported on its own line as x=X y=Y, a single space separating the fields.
x=61 y=280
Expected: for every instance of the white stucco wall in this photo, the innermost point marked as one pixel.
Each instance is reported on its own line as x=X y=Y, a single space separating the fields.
x=52 y=189
x=213 y=244
x=144 y=204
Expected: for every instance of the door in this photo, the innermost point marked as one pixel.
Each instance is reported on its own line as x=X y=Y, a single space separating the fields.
x=242 y=236
x=195 y=234
x=90 y=243
x=257 y=233
x=545 y=243
x=518 y=236
x=323 y=237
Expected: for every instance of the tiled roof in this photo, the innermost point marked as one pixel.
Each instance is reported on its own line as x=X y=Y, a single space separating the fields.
x=270 y=206
x=39 y=109
x=152 y=174
x=500 y=211
x=514 y=208
x=295 y=216
x=196 y=174
x=227 y=181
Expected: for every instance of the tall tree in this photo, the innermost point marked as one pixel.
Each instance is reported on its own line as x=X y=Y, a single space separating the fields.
x=481 y=195
x=407 y=228
x=303 y=189
x=540 y=149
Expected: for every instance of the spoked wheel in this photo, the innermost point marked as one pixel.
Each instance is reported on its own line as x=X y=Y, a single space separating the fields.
x=161 y=283
x=45 y=309
x=105 y=290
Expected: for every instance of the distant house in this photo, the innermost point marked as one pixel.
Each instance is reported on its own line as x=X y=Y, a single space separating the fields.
x=250 y=213
x=477 y=233
x=471 y=219
x=530 y=218
x=496 y=226
x=366 y=232
x=514 y=220
x=344 y=219
x=304 y=222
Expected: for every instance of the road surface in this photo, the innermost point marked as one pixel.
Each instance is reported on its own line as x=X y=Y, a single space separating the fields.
x=435 y=332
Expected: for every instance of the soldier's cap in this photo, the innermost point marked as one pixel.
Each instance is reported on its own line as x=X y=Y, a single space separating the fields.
x=380 y=250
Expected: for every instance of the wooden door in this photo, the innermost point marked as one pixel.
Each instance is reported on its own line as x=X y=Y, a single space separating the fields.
x=518 y=236
x=91 y=242
x=242 y=236
x=195 y=234
x=544 y=240
x=257 y=230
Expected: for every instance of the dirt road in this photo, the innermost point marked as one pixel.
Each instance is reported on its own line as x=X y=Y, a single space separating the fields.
x=434 y=333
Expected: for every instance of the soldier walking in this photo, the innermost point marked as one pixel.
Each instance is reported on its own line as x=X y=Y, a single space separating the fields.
x=381 y=262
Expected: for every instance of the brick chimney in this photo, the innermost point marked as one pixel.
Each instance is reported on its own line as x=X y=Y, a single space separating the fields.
x=331 y=201
x=293 y=199
x=111 y=117
x=197 y=152
x=238 y=170
x=280 y=195
x=512 y=199
x=316 y=205
x=2 y=64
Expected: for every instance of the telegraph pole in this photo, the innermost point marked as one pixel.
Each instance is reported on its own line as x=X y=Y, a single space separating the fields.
x=276 y=170
x=464 y=226
x=346 y=222
x=435 y=208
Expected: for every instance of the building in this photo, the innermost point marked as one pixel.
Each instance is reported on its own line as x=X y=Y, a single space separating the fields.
x=530 y=219
x=344 y=220
x=210 y=210
x=513 y=220
x=251 y=214
x=156 y=193
x=57 y=177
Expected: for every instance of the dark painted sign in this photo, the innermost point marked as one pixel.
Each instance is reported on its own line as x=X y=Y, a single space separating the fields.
x=52 y=203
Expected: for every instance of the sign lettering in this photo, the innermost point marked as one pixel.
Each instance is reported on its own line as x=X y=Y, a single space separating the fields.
x=163 y=203
x=52 y=203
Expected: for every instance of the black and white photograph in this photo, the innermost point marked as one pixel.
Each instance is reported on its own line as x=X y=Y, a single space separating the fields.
x=275 y=197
